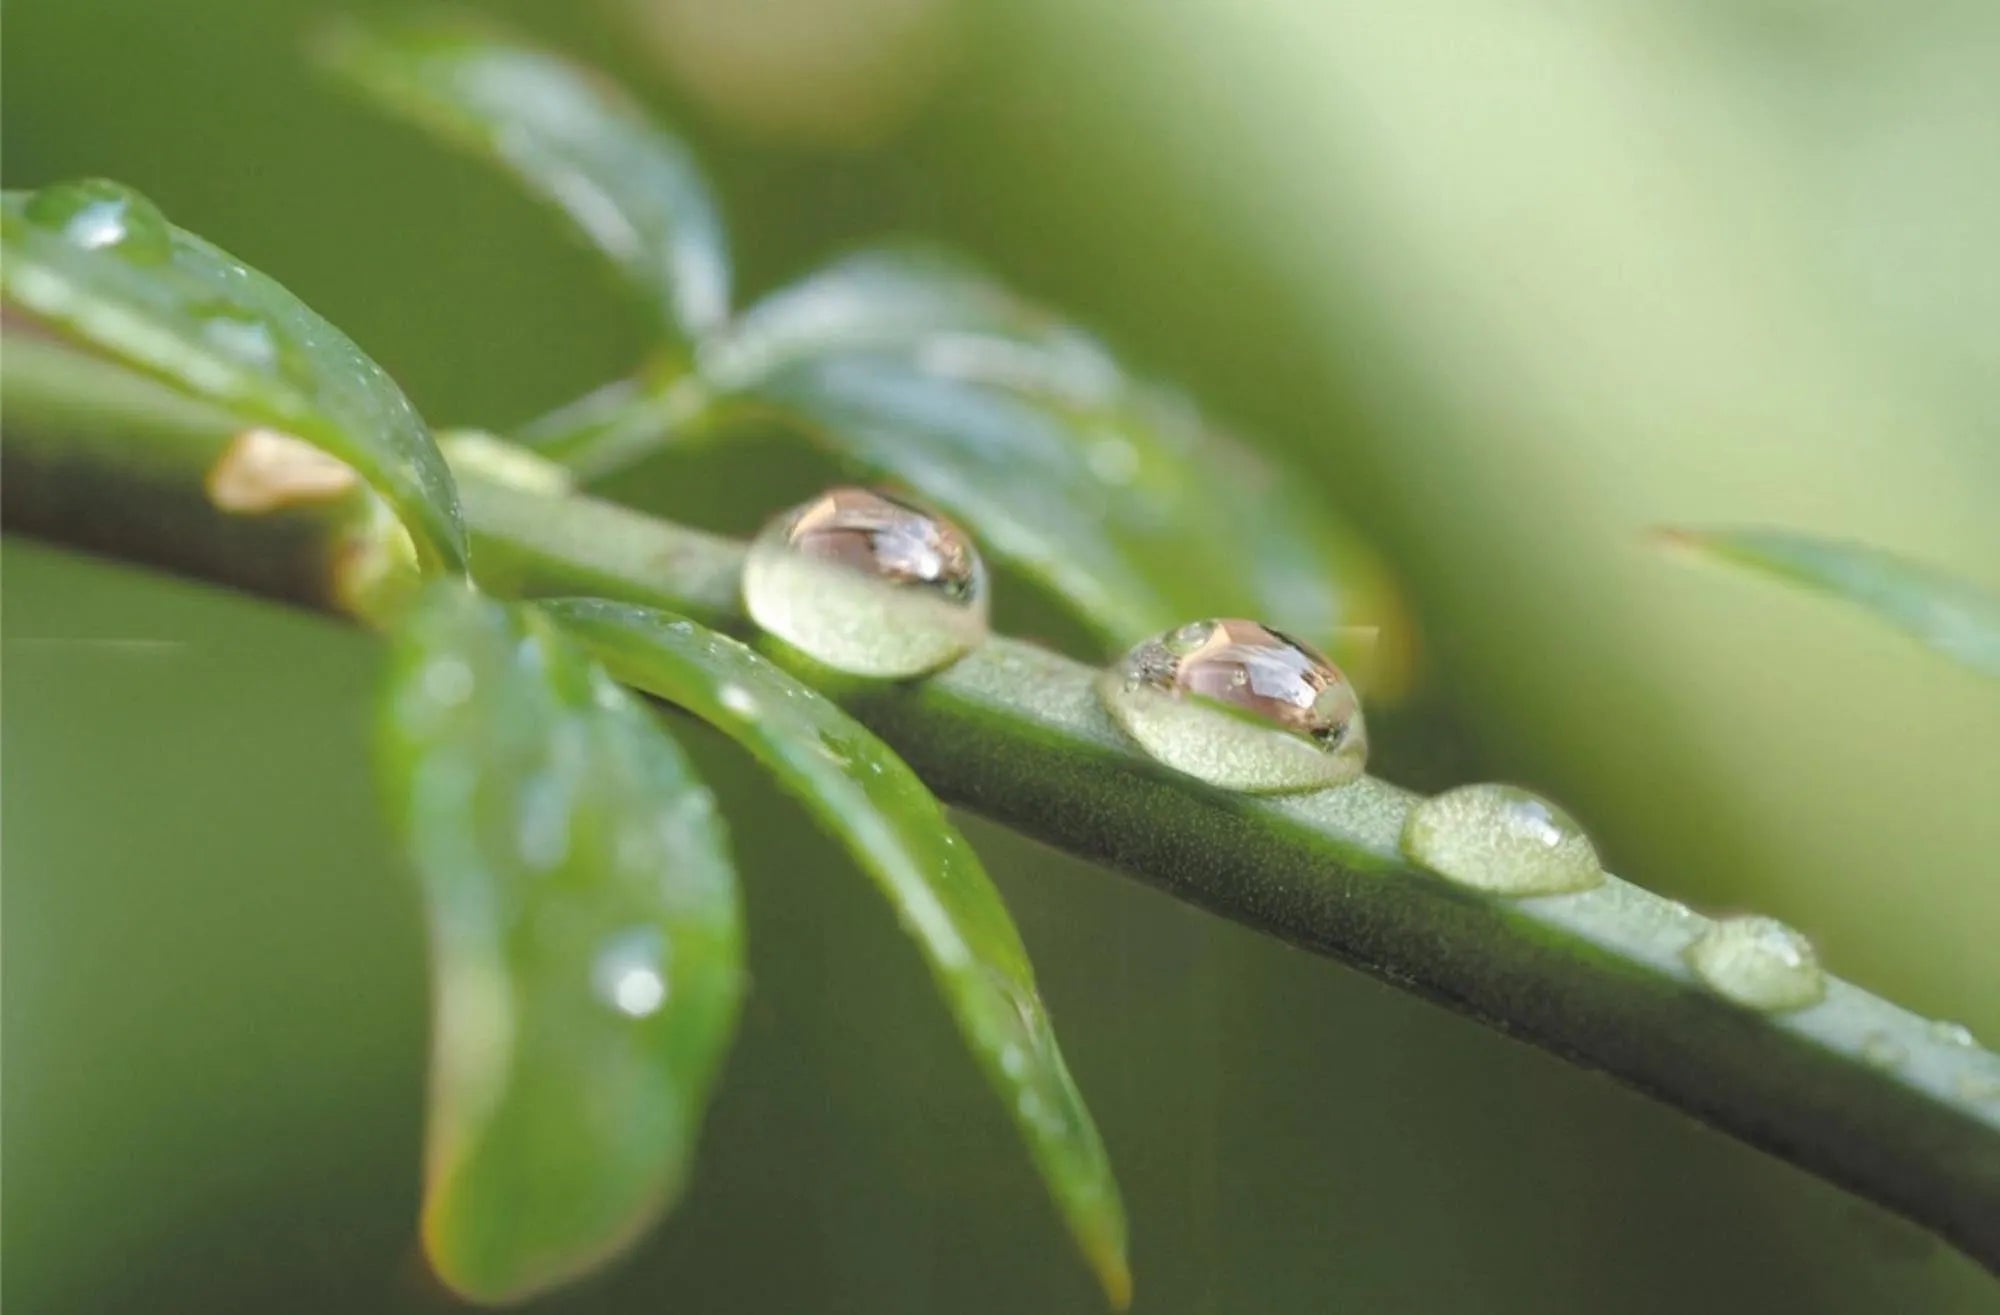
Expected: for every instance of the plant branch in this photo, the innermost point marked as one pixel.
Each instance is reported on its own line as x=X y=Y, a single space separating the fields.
x=1891 y=1106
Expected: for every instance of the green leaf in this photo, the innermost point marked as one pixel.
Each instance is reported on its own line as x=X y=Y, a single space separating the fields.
x=1113 y=493
x=895 y=298
x=1124 y=505
x=633 y=191
x=1950 y=615
x=586 y=944
x=874 y=804
x=98 y=262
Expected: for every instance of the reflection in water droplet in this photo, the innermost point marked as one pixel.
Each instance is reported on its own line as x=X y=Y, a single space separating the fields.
x=1241 y=706
x=1503 y=839
x=242 y=336
x=738 y=700
x=836 y=749
x=1882 y=1050
x=630 y=972
x=1949 y=1033
x=99 y=215
x=1759 y=962
x=867 y=585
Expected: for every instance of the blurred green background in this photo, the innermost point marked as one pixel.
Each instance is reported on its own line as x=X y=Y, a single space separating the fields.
x=1512 y=281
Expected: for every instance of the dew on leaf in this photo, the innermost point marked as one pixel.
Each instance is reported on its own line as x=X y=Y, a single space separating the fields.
x=1241 y=706
x=630 y=972
x=1758 y=962
x=867 y=585
x=99 y=215
x=1503 y=839
x=1946 y=1032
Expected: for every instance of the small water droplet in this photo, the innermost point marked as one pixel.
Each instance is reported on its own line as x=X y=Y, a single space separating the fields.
x=1241 y=706
x=242 y=336
x=1758 y=962
x=836 y=749
x=630 y=972
x=99 y=215
x=738 y=700
x=1882 y=1050
x=1946 y=1032
x=868 y=585
x=1501 y=838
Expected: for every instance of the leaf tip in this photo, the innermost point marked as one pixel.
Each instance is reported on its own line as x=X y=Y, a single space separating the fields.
x=1115 y=1275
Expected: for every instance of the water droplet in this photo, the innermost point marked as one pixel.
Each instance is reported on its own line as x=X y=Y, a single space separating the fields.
x=738 y=700
x=1882 y=1050
x=99 y=215
x=1759 y=962
x=1241 y=706
x=867 y=585
x=1503 y=839
x=242 y=335
x=630 y=972
x=1946 y=1032
x=836 y=749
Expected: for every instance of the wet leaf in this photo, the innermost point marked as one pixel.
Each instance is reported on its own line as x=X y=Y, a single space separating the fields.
x=875 y=805
x=97 y=262
x=1953 y=616
x=1125 y=505
x=1114 y=493
x=633 y=191
x=586 y=944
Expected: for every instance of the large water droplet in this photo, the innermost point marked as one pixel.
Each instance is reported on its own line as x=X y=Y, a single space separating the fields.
x=1241 y=706
x=99 y=215
x=630 y=972
x=1759 y=962
x=867 y=585
x=1503 y=839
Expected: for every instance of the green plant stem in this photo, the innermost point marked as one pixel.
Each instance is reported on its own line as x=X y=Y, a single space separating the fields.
x=1872 y=1097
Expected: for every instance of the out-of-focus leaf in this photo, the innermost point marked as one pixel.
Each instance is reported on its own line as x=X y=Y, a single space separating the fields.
x=875 y=805
x=1114 y=493
x=896 y=298
x=586 y=944
x=1953 y=616
x=98 y=262
x=634 y=191
x=1128 y=509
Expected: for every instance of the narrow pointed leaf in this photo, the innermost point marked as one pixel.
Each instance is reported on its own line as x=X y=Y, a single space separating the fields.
x=875 y=805
x=586 y=944
x=632 y=190
x=1944 y=612
x=98 y=263
x=894 y=298
x=1125 y=506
